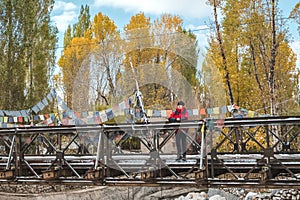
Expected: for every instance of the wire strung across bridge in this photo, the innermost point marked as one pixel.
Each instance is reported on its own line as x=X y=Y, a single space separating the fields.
x=248 y=152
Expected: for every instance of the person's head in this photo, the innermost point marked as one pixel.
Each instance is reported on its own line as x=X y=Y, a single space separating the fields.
x=180 y=104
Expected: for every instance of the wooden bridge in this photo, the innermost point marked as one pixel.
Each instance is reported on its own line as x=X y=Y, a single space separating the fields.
x=244 y=153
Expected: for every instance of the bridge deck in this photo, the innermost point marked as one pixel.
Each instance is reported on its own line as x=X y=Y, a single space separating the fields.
x=259 y=152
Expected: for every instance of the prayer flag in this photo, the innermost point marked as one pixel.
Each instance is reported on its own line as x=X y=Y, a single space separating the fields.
x=109 y=114
x=169 y=113
x=216 y=110
x=156 y=113
x=45 y=102
x=209 y=111
x=40 y=105
x=35 y=109
x=164 y=113
x=20 y=119
x=202 y=111
x=223 y=109
x=149 y=113
x=190 y=112
x=103 y=116
x=195 y=112
x=41 y=117
x=251 y=113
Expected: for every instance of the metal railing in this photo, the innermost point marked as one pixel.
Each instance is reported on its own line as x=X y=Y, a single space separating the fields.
x=260 y=152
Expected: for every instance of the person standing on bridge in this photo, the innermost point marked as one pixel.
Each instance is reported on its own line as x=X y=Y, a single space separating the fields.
x=180 y=114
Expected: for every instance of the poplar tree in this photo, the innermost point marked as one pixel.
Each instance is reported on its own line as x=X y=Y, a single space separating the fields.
x=158 y=44
x=70 y=63
x=91 y=61
x=260 y=65
x=83 y=23
x=172 y=37
x=76 y=48
x=27 y=52
x=138 y=43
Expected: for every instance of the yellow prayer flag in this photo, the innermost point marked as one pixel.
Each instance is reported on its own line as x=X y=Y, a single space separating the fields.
x=251 y=113
x=149 y=113
x=216 y=110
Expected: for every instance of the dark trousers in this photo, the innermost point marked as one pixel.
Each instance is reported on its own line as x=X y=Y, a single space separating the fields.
x=181 y=144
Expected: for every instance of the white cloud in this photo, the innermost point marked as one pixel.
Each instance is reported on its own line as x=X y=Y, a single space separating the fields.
x=63 y=20
x=64 y=14
x=65 y=6
x=190 y=9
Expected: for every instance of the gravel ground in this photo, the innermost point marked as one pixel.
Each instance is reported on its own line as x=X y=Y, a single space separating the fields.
x=61 y=192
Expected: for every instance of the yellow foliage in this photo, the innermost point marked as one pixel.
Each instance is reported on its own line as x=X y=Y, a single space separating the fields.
x=70 y=62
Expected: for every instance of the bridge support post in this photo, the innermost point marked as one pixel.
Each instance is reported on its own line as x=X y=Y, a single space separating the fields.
x=264 y=174
x=7 y=174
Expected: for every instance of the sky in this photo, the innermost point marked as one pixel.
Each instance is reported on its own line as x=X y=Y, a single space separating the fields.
x=196 y=15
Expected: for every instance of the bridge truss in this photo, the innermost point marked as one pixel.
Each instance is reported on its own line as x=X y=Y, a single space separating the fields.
x=245 y=153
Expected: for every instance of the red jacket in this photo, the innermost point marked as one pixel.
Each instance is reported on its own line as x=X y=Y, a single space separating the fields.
x=182 y=114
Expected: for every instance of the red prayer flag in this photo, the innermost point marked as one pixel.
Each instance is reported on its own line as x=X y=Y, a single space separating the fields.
x=20 y=119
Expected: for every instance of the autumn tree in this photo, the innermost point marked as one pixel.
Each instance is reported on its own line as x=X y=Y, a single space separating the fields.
x=255 y=45
x=70 y=63
x=138 y=52
x=108 y=54
x=91 y=61
x=160 y=47
x=169 y=34
x=77 y=47
x=224 y=64
x=295 y=14
x=212 y=89
x=138 y=40
x=179 y=53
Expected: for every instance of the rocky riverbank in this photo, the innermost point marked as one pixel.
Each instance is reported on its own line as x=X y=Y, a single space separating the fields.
x=241 y=194
x=69 y=192
x=46 y=192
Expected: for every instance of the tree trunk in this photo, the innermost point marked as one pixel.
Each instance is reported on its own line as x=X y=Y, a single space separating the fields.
x=219 y=37
x=272 y=62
